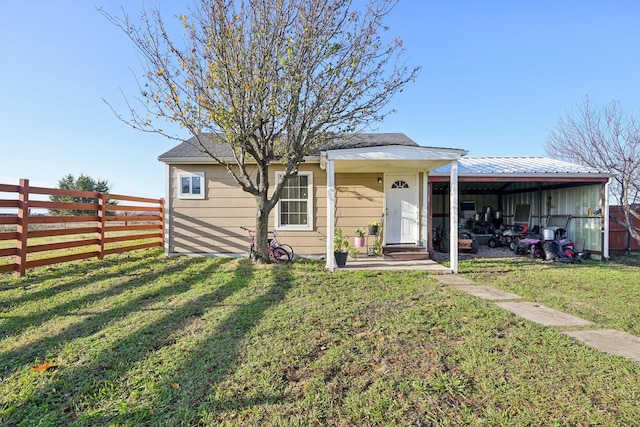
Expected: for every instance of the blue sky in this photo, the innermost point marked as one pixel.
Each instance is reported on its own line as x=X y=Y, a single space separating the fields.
x=496 y=76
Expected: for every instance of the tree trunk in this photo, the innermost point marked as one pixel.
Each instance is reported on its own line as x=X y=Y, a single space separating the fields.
x=262 y=230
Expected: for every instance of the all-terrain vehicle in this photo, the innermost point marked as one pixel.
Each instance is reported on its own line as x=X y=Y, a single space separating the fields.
x=508 y=235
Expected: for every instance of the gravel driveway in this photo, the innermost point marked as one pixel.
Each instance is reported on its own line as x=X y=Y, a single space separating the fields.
x=484 y=251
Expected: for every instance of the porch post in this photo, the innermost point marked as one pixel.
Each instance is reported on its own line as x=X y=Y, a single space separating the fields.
x=426 y=233
x=331 y=203
x=605 y=219
x=453 y=218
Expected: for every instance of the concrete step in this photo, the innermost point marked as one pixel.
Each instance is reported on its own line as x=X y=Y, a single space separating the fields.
x=404 y=252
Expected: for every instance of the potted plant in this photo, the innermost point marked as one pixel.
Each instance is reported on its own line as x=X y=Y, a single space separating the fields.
x=359 y=239
x=340 y=247
x=354 y=252
x=376 y=248
x=374 y=226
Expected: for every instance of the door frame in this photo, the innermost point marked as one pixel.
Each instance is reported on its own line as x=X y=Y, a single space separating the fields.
x=413 y=179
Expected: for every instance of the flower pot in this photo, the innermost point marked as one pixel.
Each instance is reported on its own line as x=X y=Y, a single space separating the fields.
x=373 y=230
x=359 y=242
x=341 y=258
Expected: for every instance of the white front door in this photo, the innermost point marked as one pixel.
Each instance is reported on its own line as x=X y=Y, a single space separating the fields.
x=401 y=220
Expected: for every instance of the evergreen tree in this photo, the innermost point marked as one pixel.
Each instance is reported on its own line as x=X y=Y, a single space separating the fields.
x=83 y=183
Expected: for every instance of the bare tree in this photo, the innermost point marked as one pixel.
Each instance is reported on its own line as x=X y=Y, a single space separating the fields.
x=270 y=78
x=606 y=138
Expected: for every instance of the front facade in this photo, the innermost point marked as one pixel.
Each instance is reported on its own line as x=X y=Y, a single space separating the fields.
x=371 y=177
x=374 y=178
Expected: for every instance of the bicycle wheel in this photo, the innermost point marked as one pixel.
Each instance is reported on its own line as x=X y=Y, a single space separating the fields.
x=289 y=250
x=279 y=254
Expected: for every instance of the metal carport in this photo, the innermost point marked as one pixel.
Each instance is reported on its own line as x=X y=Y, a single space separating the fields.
x=549 y=186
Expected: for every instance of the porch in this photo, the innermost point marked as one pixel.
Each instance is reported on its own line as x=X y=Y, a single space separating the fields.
x=403 y=172
x=379 y=263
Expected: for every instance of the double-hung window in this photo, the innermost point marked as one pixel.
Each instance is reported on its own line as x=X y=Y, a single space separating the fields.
x=191 y=185
x=295 y=208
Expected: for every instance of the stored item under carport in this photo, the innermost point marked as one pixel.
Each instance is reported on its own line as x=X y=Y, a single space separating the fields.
x=558 y=225
x=467 y=241
x=509 y=236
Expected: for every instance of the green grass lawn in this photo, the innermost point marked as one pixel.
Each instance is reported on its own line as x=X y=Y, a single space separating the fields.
x=75 y=250
x=142 y=339
x=607 y=293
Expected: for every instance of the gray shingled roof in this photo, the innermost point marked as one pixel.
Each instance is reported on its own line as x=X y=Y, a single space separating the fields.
x=517 y=166
x=190 y=149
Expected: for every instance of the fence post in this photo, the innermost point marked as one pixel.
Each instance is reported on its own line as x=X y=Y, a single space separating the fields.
x=102 y=222
x=23 y=227
x=162 y=215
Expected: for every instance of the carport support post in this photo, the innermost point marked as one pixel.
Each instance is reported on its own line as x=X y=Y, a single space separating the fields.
x=331 y=222
x=453 y=218
x=604 y=217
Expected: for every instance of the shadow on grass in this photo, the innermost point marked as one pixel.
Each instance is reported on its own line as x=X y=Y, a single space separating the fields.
x=80 y=384
x=236 y=327
x=215 y=360
x=86 y=273
x=92 y=322
x=82 y=268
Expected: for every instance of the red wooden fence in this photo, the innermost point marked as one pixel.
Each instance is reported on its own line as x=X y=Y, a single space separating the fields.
x=619 y=239
x=112 y=229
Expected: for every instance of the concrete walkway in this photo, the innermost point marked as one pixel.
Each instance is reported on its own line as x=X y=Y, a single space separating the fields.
x=487 y=292
x=544 y=315
x=606 y=340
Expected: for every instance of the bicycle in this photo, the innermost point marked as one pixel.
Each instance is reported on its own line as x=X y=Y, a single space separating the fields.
x=278 y=252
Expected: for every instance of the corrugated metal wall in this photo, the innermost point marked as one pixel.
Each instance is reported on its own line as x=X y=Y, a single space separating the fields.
x=575 y=201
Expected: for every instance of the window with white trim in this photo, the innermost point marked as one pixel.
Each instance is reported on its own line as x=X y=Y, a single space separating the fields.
x=295 y=208
x=191 y=185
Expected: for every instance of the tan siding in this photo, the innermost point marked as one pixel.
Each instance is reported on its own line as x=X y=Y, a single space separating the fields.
x=212 y=225
x=219 y=207
x=359 y=200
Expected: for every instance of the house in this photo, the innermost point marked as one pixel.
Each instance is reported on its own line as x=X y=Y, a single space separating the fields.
x=361 y=178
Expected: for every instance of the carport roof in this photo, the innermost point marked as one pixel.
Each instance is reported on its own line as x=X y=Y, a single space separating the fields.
x=510 y=167
x=503 y=175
